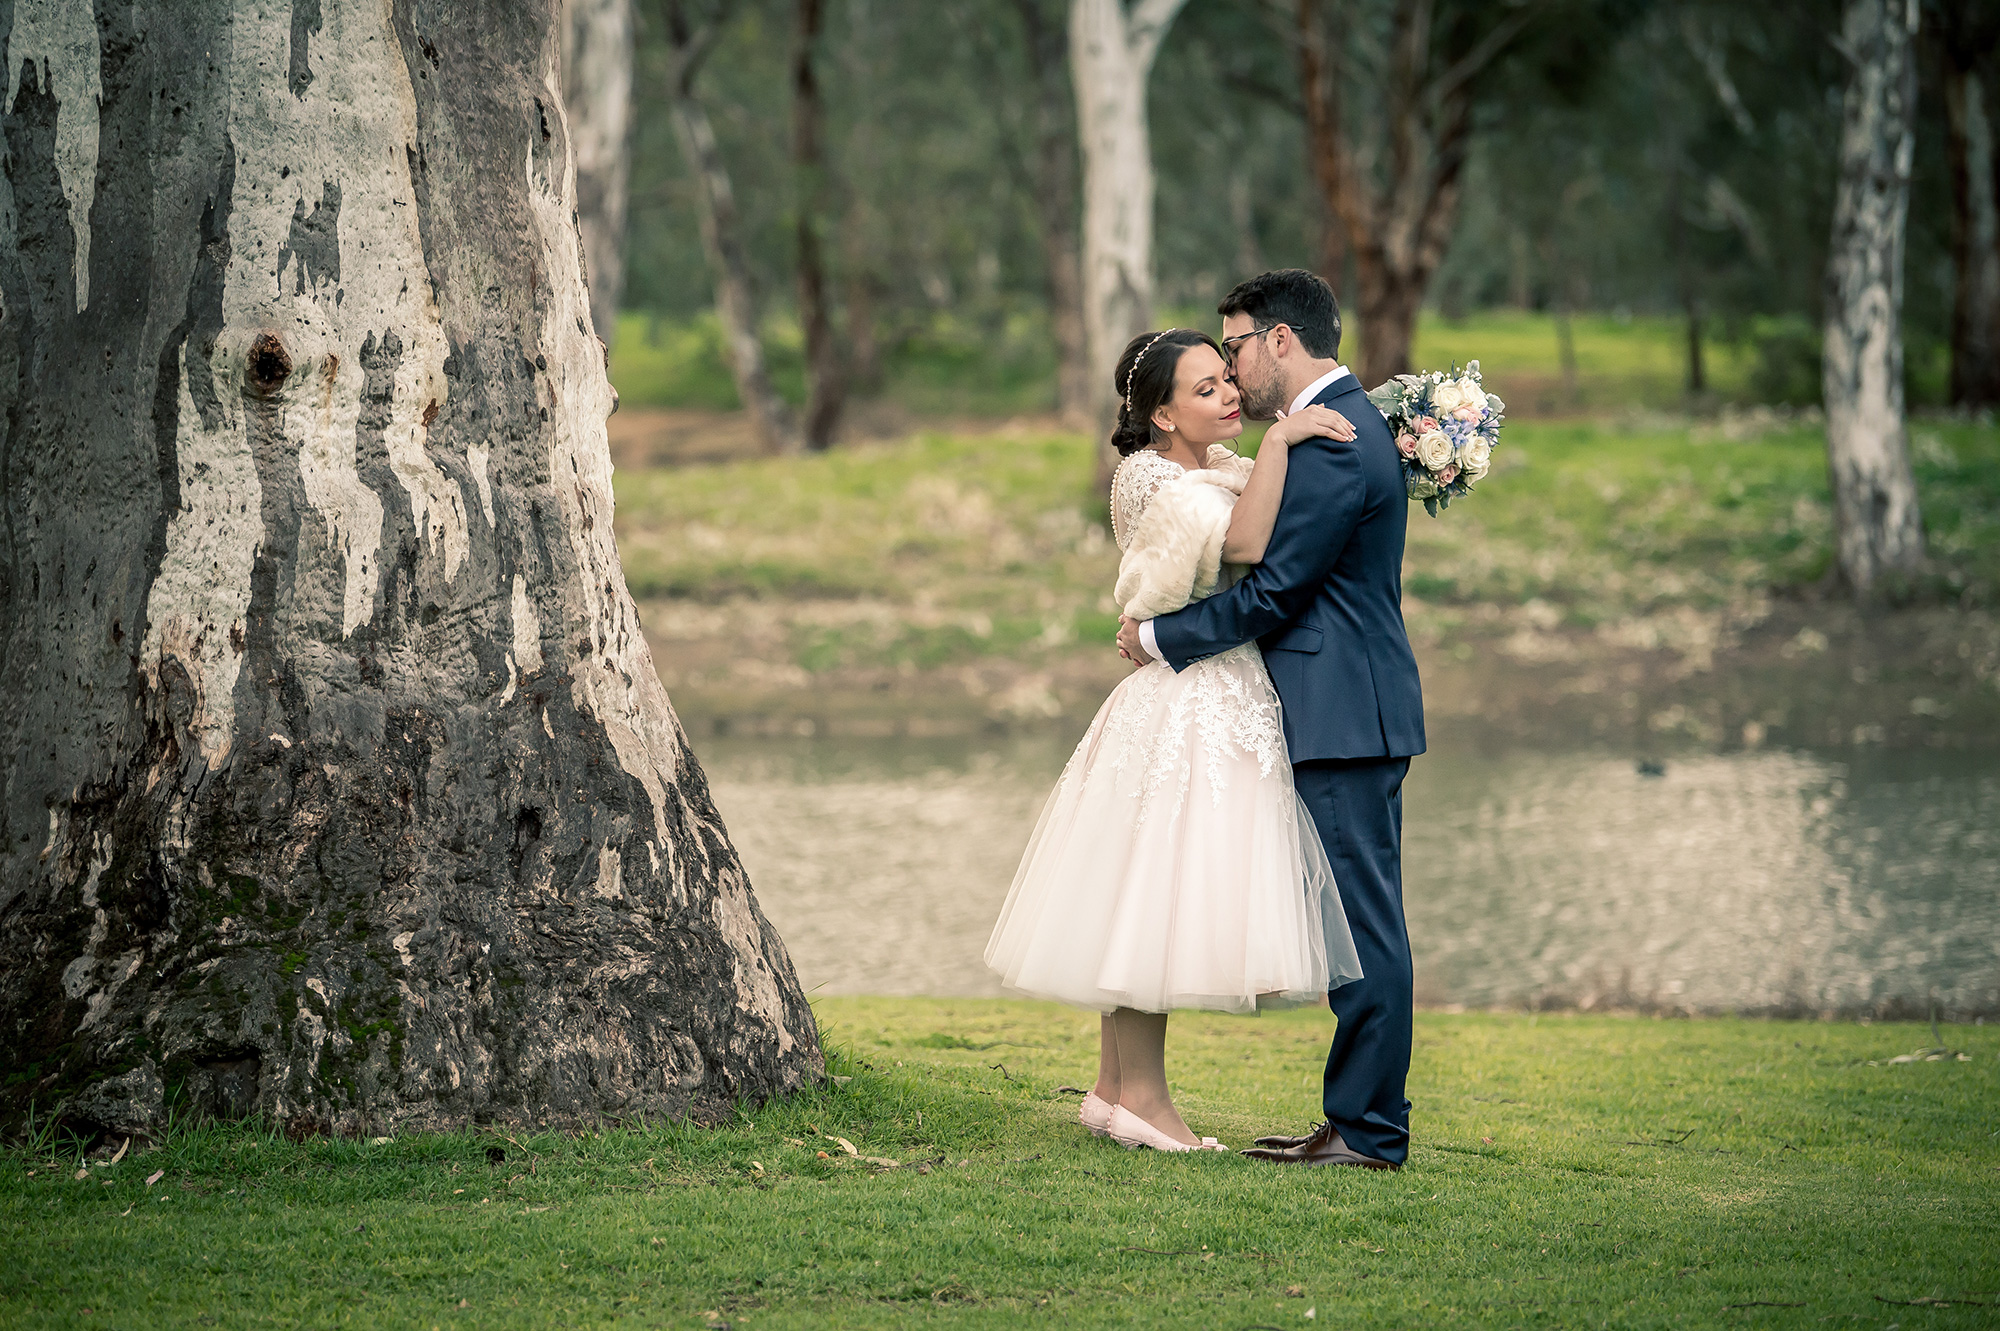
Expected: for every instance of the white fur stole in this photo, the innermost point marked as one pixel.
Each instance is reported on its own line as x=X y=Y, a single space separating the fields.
x=1176 y=552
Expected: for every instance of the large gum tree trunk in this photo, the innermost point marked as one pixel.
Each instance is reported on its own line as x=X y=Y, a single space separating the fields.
x=1111 y=58
x=336 y=782
x=1877 y=529
x=597 y=97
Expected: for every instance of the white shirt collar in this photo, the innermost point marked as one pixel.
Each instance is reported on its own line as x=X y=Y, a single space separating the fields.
x=1313 y=389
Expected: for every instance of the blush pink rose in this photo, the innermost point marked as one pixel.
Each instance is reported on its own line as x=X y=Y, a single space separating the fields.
x=1448 y=475
x=1406 y=444
x=1423 y=424
x=1468 y=412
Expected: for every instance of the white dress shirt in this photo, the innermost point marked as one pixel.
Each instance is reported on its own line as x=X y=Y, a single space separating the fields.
x=1147 y=638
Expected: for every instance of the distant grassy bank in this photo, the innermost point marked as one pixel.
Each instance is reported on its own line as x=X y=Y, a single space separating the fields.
x=1566 y=1171
x=1005 y=366
x=1605 y=567
x=944 y=364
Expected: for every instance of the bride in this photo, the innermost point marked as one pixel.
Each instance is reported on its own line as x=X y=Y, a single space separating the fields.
x=1174 y=865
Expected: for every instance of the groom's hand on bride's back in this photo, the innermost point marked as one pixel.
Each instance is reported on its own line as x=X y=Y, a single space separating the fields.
x=1129 y=646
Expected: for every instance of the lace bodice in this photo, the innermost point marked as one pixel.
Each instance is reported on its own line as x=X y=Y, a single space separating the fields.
x=1138 y=478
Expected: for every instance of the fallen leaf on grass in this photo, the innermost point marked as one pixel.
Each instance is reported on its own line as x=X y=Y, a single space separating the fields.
x=844 y=1145
x=1487 y=1140
x=155 y=1177
x=121 y=1152
x=83 y=1173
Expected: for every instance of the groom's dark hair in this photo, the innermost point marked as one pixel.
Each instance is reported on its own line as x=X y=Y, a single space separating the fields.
x=1293 y=297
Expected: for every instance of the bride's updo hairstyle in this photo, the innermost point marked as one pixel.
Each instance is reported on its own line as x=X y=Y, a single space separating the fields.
x=1144 y=381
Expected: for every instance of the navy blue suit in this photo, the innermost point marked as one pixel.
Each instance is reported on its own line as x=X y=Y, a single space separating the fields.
x=1326 y=607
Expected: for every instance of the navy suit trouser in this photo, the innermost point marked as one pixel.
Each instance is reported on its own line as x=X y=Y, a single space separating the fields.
x=1357 y=804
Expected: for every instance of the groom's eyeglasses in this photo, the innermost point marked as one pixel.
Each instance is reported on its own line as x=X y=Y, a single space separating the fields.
x=1229 y=343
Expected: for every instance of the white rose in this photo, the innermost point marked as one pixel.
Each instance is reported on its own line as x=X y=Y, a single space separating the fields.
x=1473 y=475
x=1434 y=450
x=1449 y=396
x=1477 y=455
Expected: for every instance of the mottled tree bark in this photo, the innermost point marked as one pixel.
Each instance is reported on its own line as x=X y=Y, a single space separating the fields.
x=1396 y=201
x=826 y=375
x=597 y=96
x=1877 y=529
x=336 y=781
x=1111 y=58
x=691 y=30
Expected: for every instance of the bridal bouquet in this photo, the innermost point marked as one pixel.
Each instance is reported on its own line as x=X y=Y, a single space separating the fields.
x=1446 y=426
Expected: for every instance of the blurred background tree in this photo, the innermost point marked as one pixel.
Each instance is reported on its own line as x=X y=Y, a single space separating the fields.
x=1648 y=159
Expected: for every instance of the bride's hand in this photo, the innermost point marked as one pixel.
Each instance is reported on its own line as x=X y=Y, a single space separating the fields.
x=1310 y=423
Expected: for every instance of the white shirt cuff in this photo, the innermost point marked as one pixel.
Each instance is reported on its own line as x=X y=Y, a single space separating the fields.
x=1149 y=640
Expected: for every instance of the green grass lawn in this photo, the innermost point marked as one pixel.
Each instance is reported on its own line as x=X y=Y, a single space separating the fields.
x=1566 y=1171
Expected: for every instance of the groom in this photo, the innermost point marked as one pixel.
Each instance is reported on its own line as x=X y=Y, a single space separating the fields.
x=1326 y=607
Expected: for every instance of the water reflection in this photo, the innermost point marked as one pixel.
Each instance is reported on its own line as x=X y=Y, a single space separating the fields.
x=1777 y=882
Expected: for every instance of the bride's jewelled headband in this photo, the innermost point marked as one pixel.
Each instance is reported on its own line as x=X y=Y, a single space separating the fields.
x=1135 y=365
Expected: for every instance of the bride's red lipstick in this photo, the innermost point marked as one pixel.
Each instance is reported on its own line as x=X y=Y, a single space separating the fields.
x=1233 y=415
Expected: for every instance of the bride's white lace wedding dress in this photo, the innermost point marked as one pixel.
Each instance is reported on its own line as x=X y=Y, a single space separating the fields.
x=1174 y=865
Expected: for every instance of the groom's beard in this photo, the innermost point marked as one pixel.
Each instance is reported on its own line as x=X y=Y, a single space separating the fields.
x=1261 y=402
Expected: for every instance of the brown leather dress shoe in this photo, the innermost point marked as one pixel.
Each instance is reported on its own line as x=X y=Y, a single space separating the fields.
x=1323 y=1147
x=1287 y=1143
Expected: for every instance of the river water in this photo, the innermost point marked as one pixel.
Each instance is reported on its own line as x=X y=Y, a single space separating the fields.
x=1852 y=883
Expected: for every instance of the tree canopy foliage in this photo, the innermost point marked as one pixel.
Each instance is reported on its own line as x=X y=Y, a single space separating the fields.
x=1653 y=156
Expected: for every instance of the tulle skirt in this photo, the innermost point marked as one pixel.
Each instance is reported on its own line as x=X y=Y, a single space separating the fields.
x=1174 y=865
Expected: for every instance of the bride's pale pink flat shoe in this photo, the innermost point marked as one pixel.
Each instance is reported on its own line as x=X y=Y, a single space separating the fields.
x=1095 y=1113
x=1131 y=1132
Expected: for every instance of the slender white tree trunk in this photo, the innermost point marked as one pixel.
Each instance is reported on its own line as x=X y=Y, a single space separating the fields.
x=1877 y=528
x=597 y=95
x=336 y=781
x=1111 y=57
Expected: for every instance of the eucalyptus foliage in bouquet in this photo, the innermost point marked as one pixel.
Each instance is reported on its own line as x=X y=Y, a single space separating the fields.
x=1447 y=426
